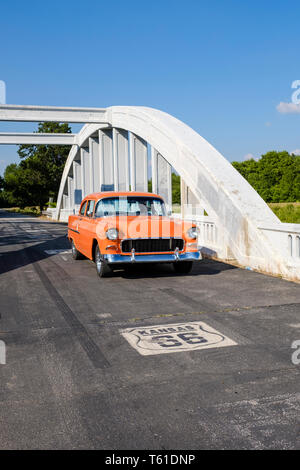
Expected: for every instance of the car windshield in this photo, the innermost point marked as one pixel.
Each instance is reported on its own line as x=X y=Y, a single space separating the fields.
x=130 y=205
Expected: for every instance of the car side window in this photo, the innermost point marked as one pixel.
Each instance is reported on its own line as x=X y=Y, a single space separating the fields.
x=90 y=208
x=82 y=209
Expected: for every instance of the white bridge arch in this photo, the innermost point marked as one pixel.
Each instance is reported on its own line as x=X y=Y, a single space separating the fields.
x=111 y=152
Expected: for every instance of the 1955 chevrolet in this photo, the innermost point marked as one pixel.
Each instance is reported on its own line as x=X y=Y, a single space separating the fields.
x=115 y=229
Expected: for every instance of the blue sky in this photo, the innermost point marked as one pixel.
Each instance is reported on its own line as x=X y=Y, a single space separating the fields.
x=220 y=66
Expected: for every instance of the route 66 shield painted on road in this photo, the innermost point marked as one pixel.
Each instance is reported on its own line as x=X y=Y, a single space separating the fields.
x=177 y=337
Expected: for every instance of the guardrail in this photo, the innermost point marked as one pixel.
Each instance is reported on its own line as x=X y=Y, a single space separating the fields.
x=64 y=214
x=210 y=238
x=286 y=238
x=283 y=237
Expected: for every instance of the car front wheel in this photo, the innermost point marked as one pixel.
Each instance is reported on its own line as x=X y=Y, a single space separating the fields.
x=101 y=266
x=183 y=267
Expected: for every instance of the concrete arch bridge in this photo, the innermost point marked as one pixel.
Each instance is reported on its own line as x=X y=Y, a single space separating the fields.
x=122 y=147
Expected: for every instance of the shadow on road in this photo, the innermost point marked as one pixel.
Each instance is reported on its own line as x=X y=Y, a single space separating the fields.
x=15 y=259
x=204 y=267
x=40 y=239
x=18 y=230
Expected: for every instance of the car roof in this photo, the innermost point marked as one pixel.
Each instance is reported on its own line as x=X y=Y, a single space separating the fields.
x=119 y=193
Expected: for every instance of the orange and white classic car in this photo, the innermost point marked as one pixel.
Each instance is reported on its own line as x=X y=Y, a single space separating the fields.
x=115 y=229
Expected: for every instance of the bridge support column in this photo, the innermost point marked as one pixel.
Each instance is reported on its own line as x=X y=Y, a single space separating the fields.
x=77 y=183
x=65 y=201
x=85 y=168
x=70 y=192
x=161 y=177
x=106 y=161
x=138 y=164
x=132 y=162
x=164 y=185
x=154 y=175
x=94 y=161
x=190 y=205
x=121 y=160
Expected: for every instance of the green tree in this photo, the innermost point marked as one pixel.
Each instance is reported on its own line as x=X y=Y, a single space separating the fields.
x=39 y=173
x=275 y=176
x=175 y=189
x=1 y=183
x=23 y=185
x=3 y=196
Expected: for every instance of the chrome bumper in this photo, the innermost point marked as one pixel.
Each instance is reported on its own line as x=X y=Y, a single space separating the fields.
x=164 y=258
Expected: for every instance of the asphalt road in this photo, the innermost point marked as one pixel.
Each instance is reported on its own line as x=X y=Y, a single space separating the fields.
x=72 y=381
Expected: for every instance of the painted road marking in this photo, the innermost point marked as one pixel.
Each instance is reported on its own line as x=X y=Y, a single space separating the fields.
x=177 y=337
x=104 y=315
x=37 y=230
x=56 y=252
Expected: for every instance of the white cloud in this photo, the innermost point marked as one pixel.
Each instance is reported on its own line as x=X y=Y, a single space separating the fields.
x=296 y=152
x=249 y=156
x=288 y=108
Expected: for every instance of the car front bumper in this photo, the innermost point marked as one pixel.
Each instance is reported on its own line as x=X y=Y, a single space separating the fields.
x=151 y=258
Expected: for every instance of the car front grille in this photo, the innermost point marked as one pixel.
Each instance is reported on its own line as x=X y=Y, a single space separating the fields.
x=152 y=245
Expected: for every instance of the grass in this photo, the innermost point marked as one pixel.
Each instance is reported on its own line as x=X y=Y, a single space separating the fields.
x=287 y=211
x=33 y=211
x=176 y=208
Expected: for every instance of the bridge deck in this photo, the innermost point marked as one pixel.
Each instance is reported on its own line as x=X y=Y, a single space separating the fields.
x=73 y=381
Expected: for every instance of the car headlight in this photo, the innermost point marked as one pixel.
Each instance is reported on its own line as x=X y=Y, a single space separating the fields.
x=192 y=232
x=112 y=234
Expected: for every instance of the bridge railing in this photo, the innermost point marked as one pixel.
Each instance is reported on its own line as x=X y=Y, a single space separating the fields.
x=64 y=214
x=286 y=238
x=210 y=238
x=283 y=236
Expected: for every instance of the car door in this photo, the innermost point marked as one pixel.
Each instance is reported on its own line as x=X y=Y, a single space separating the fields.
x=87 y=228
x=77 y=234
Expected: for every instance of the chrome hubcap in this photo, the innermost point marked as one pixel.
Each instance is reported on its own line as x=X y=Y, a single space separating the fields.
x=98 y=261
